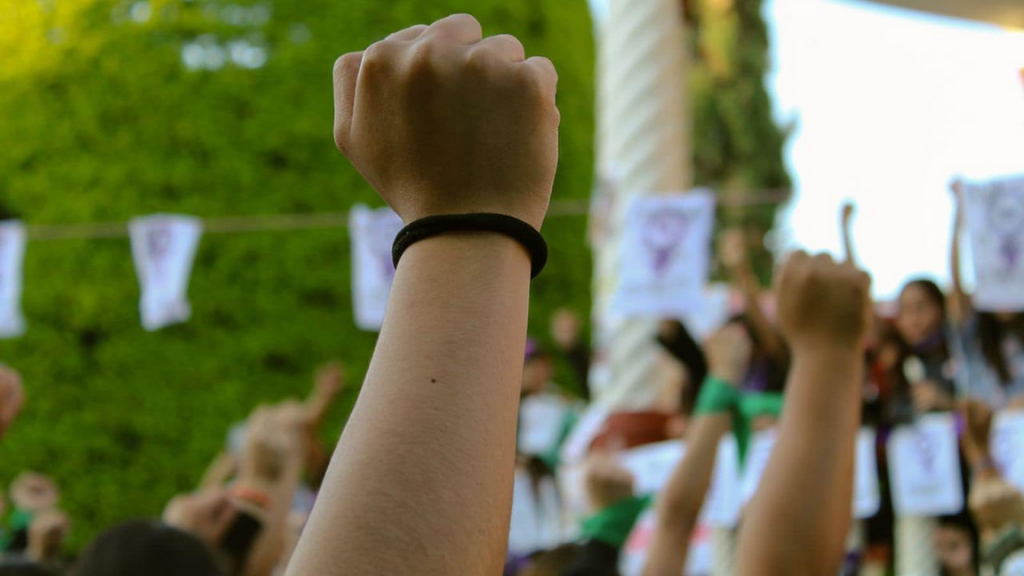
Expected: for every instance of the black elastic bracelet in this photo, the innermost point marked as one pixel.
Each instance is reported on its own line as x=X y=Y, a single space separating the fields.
x=500 y=223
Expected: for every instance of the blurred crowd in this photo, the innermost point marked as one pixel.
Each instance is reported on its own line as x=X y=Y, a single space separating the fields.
x=458 y=133
x=575 y=509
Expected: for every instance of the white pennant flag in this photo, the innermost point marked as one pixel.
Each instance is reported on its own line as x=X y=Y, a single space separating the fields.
x=373 y=234
x=164 y=247
x=666 y=247
x=12 y=257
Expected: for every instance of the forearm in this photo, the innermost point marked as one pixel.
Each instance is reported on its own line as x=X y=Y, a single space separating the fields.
x=963 y=302
x=764 y=332
x=427 y=489
x=680 y=503
x=850 y=253
x=808 y=484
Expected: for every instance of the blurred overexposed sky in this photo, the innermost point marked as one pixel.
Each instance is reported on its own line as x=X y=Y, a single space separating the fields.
x=888 y=106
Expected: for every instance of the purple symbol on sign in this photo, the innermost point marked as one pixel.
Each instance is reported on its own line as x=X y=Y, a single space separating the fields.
x=158 y=243
x=663 y=233
x=1006 y=218
x=925 y=451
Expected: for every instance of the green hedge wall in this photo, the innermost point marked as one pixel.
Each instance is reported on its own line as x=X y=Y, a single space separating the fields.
x=100 y=121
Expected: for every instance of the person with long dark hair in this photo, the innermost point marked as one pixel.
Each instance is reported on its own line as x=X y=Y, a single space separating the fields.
x=992 y=342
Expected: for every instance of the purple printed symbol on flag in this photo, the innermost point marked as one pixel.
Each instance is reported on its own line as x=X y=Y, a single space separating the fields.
x=663 y=235
x=158 y=243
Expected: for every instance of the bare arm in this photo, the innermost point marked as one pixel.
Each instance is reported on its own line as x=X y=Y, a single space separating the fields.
x=963 y=306
x=439 y=122
x=680 y=503
x=798 y=520
x=845 y=220
x=736 y=258
x=329 y=382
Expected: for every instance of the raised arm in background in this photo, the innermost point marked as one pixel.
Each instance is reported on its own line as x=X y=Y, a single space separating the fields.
x=849 y=209
x=12 y=397
x=736 y=258
x=327 y=385
x=963 y=307
x=798 y=521
x=680 y=503
x=439 y=122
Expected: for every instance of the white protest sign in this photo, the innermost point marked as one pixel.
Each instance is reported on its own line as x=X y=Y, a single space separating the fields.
x=665 y=254
x=164 y=248
x=541 y=423
x=924 y=467
x=866 y=497
x=722 y=502
x=373 y=234
x=1007 y=446
x=652 y=464
x=995 y=221
x=759 y=451
x=12 y=257
x=536 y=521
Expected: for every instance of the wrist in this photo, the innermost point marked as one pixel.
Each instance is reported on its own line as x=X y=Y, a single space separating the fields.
x=480 y=250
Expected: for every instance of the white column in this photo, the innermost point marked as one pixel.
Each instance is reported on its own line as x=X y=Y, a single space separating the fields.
x=643 y=137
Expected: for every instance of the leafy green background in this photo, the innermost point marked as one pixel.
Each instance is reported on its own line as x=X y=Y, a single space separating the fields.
x=101 y=121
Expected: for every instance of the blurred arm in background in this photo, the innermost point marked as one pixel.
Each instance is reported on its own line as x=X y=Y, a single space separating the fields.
x=680 y=503
x=736 y=258
x=798 y=521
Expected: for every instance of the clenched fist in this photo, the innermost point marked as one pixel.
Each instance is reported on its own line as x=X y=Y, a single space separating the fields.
x=442 y=121
x=823 y=304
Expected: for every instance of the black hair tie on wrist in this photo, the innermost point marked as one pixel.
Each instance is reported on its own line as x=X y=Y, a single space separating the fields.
x=512 y=227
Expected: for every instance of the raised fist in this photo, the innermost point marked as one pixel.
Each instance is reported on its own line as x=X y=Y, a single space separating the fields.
x=441 y=121
x=207 y=515
x=732 y=249
x=849 y=209
x=728 y=352
x=822 y=303
x=34 y=492
x=607 y=481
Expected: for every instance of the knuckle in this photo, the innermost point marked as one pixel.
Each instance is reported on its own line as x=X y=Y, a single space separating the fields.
x=378 y=57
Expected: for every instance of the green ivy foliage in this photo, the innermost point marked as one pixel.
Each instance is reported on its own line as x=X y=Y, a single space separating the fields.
x=101 y=121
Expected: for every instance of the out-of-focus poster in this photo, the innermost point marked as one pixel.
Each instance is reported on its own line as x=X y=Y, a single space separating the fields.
x=924 y=467
x=164 y=248
x=373 y=234
x=665 y=255
x=12 y=258
x=995 y=221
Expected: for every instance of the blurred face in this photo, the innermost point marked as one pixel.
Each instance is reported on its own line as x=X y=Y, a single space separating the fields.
x=919 y=317
x=536 y=375
x=953 y=549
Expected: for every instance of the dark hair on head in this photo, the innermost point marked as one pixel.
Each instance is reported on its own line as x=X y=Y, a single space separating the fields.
x=147 y=547
x=24 y=568
x=991 y=333
x=931 y=291
x=963 y=521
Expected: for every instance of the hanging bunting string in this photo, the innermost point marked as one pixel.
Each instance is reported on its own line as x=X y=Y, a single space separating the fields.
x=324 y=220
